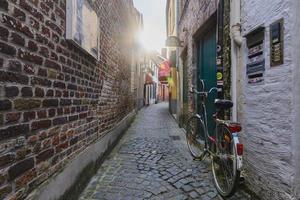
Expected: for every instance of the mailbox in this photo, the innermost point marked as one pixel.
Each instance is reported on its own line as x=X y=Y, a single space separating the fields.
x=276 y=43
x=256 y=56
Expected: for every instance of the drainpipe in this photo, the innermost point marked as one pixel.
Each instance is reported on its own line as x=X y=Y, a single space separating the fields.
x=236 y=42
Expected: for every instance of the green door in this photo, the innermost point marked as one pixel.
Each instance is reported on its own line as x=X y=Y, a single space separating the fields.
x=207 y=71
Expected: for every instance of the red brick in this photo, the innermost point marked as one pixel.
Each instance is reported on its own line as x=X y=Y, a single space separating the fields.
x=45 y=155
x=53 y=65
x=62 y=146
x=20 y=15
x=6 y=159
x=34 y=23
x=28 y=116
x=34 y=12
x=4 y=33
x=5 y=190
x=32 y=139
x=25 y=179
x=13 y=117
x=17 y=25
x=20 y=168
x=43 y=124
x=7 y=49
x=30 y=57
x=17 y=39
x=32 y=46
x=14 y=131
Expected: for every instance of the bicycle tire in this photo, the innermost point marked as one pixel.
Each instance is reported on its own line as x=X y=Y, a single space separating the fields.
x=222 y=144
x=195 y=137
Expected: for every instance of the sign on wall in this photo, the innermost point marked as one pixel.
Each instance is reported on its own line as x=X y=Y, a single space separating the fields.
x=83 y=26
x=256 y=56
x=276 y=43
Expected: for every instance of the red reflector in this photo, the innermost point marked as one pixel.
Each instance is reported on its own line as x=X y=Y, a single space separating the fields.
x=240 y=149
x=234 y=128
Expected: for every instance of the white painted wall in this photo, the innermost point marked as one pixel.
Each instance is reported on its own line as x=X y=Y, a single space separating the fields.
x=266 y=111
x=296 y=70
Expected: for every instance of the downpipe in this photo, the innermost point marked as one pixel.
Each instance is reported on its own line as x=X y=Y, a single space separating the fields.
x=236 y=43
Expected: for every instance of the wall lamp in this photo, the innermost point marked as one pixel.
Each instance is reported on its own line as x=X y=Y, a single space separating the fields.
x=173 y=41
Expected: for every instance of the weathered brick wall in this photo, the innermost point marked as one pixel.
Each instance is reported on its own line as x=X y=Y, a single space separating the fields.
x=55 y=100
x=194 y=14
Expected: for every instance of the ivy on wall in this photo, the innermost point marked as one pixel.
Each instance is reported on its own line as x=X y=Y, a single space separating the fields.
x=226 y=55
x=227 y=50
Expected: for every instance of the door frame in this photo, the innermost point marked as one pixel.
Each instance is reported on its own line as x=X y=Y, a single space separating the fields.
x=199 y=36
x=212 y=22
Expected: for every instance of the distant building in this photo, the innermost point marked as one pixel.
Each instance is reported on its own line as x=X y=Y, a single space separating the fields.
x=152 y=83
x=164 y=52
x=172 y=24
x=138 y=54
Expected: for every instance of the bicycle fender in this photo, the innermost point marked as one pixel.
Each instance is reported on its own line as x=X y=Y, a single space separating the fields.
x=239 y=157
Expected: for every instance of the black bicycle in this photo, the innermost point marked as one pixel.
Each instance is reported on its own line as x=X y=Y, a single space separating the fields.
x=223 y=147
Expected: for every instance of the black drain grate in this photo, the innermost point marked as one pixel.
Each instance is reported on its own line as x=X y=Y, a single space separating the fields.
x=175 y=137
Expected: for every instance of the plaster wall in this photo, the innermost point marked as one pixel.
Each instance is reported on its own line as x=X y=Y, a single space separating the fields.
x=266 y=110
x=296 y=58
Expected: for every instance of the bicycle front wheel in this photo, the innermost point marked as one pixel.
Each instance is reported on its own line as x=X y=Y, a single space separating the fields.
x=224 y=163
x=195 y=136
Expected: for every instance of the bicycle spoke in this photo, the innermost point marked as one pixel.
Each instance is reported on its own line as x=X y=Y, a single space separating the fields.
x=225 y=175
x=195 y=144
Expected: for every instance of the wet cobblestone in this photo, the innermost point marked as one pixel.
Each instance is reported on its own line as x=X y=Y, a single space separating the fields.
x=149 y=164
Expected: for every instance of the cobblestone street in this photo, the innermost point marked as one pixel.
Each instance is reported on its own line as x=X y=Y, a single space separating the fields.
x=152 y=162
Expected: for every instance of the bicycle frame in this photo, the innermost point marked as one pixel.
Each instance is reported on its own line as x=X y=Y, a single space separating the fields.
x=209 y=140
x=203 y=116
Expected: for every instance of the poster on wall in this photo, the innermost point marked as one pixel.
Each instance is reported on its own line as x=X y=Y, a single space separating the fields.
x=83 y=26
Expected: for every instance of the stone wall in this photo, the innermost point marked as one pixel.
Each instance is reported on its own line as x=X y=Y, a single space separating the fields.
x=55 y=100
x=194 y=14
x=266 y=109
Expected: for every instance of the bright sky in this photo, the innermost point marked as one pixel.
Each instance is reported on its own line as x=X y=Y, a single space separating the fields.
x=154 y=34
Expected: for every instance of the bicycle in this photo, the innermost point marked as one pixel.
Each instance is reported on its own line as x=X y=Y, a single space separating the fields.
x=224 y=147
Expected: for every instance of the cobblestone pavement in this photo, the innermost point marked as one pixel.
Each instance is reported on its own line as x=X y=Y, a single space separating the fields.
x=152 y=162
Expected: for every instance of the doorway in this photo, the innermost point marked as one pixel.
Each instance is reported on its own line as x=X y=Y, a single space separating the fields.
x=207 y=70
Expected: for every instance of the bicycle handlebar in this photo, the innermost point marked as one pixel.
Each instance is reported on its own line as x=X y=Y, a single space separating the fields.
x=205 y=94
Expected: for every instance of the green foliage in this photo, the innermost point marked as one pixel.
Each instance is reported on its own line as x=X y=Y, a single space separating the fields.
x=227 y=53
x=227 y=50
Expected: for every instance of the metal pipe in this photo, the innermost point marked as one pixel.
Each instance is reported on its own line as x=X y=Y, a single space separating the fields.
x=236 y=42
x=236 y=22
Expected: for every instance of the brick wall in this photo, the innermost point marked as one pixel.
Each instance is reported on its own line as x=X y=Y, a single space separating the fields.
x=55 y=100
x=194 y=14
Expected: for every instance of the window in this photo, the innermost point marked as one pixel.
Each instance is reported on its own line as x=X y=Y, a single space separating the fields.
x=83 y=26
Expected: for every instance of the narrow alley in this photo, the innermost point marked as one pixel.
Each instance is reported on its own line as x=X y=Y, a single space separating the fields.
x=122 y=99
x=153 y=162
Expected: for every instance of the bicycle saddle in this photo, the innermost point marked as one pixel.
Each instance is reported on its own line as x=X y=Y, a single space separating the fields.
x=223 y=104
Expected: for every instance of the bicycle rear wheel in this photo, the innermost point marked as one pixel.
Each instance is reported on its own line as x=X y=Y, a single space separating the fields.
x=195 y=136
x=224 y=164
